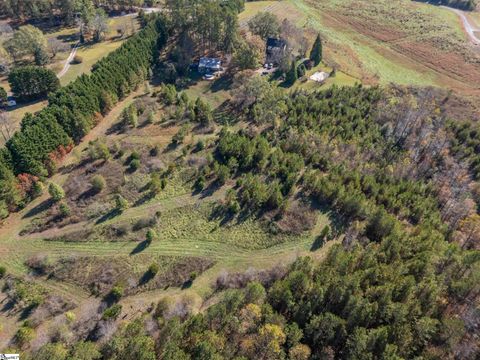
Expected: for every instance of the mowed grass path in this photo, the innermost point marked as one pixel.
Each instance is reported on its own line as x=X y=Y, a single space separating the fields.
x=184 y=227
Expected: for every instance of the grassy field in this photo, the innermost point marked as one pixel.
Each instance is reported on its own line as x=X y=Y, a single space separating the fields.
x=91 y=53
x=382 y=42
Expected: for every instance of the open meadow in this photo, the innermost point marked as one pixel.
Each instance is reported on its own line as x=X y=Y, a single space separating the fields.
x=405 y=42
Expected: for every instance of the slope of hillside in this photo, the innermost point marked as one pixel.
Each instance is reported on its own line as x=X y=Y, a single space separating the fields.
x=379 y=41
x=159 y=214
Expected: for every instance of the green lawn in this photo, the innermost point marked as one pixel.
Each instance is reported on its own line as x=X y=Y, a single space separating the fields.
x=214 y=92
x=360 y=54
x=91 y=53
x=252 y=8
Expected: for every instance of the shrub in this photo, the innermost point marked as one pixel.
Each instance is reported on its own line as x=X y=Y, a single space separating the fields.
x=223 y=174
x=151 y=117
x=135 y=165
x=98 y=183
x=64 y=209
x=154 y=151
x=70 y=316
x=116 y=293
x=56 y=192
x=200 y=145
x=325 y=233
x=3 y=271
x=200 y=183
x=77 y=59
x=134 y=156
x=24 y=335
x=112 y=312
x=151 y=235
x=153 y=269
x=121 y=203
x=99 y=150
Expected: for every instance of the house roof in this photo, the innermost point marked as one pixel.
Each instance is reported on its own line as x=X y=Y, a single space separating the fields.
x=212 y=63
x=276 y=43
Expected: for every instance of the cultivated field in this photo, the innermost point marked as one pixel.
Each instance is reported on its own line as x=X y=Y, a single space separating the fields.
x=379 y=41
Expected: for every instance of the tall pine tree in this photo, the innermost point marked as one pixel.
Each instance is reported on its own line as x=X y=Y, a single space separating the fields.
x=316 y=53
x=292 y=75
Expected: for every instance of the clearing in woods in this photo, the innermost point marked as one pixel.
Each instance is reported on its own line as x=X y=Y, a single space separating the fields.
x=190 y=236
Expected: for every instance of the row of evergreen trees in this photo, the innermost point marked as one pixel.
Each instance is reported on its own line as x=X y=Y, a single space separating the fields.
x=75 y=109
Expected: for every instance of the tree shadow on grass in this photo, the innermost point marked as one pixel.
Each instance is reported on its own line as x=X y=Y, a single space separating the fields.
x=210 y=190
x=187 y=284
x=9 y=305
x=44 y=205
x=222 y=83
x=26 y=312
x=140 y=247
x=170 y=147
x=145 y=198
x=317 y=243
x=116 y=128
x=110 y=215
x=148 y=276
x=88 y=194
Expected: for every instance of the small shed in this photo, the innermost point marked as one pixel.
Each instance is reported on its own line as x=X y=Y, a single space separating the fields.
x=320 y=76
x=209 y=65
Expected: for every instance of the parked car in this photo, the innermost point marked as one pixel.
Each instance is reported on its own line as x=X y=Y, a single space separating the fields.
x=11 y=102
x=209 y=77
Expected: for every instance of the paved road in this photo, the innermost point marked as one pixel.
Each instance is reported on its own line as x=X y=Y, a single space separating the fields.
x=470 y=28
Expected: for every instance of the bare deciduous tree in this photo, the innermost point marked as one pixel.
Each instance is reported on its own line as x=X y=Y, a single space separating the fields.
x=55 y=46
x=6 y=126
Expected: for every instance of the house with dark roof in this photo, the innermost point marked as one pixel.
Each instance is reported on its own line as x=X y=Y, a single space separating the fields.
x=208 y=65
x=274 y=49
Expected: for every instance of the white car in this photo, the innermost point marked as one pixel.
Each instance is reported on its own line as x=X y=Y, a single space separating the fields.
x=209 y=77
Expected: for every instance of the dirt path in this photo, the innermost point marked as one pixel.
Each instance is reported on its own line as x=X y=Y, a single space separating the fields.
x=470 y=28
x=68 y=61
